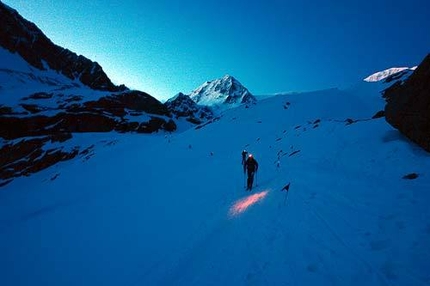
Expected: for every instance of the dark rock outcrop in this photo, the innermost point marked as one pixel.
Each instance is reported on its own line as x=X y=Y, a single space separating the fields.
x=17 y=127
x=156 y=123
x=379 y=114
x=119 y=104
x=29 y=156
x=408 y=105
x=183 y=106
x=23 y=37
x=410 y=176
x=118 y=112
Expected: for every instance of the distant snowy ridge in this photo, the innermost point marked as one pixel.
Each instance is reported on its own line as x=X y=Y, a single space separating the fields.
x=378 y=76
x=224 y=92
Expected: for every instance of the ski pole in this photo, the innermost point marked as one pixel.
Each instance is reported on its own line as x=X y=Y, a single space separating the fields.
x=285 y=200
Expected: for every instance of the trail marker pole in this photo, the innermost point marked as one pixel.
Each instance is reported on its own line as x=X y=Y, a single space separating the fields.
x=287 y=189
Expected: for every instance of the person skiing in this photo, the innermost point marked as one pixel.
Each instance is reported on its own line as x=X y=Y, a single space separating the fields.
x=251 y=165
x=244 y=153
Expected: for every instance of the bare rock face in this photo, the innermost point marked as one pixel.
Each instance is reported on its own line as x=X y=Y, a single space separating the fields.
x=29 y=156
x=408 y=105
x=115 y=112
x=183 y=106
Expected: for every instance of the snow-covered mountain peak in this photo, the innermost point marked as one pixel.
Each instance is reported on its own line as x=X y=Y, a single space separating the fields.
x=381 y=75
x=224 y=92
x=230 y=79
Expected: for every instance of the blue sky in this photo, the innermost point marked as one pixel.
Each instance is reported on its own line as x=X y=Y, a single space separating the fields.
x=164 y=47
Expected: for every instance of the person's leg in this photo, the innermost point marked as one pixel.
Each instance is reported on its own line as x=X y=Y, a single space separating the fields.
x=250 y=180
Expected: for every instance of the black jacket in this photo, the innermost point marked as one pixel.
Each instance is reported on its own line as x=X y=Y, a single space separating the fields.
x=251 y=164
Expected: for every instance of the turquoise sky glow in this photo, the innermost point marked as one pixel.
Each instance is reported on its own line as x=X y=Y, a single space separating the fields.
x=164 y=47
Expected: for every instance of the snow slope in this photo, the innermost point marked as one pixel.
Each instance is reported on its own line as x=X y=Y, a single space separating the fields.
x=172 y=210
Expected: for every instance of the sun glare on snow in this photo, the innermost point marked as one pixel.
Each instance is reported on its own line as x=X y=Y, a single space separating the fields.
x=242 y=205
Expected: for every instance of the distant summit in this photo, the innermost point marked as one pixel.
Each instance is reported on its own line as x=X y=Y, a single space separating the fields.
x=224 y=92
x=389 y=73
x=210 y=98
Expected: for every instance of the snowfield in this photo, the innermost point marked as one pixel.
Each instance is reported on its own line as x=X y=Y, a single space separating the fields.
x=171 y=209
